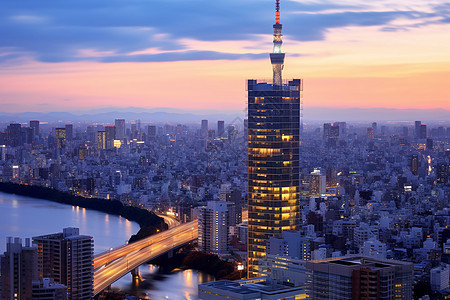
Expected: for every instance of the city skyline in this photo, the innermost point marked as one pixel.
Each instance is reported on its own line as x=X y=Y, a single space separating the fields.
x=88 y=55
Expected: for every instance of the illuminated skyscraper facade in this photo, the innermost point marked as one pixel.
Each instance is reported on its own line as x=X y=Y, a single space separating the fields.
x=60 y=135
x=273 y=156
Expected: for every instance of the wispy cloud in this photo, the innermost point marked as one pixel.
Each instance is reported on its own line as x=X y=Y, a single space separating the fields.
x=171 y=30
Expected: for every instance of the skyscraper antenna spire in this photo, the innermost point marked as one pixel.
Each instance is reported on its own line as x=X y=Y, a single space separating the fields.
x=277 y=13
x=277 y=57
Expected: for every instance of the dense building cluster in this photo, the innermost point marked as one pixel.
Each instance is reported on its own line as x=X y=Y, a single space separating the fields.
x=381 y=193
x=53 y=267
x=165 y=166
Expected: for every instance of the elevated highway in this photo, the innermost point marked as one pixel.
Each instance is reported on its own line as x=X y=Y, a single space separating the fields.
x=111 y=265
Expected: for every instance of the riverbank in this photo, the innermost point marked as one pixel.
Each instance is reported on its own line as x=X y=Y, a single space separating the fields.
x=190 y=258
x=148 y=221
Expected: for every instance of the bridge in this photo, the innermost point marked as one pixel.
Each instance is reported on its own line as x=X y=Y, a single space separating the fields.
x=111 y=265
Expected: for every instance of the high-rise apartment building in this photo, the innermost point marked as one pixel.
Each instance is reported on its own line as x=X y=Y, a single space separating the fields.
x=213 y=227
x=67 y=258
x=359 y=277
x=18 y=270
x=273 y=155
x=120 y=129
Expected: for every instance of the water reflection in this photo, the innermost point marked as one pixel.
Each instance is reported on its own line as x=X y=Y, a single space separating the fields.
x=27 y=217
x=153 y=285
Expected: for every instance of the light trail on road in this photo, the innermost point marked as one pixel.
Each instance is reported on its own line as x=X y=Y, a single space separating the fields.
x=111 y=265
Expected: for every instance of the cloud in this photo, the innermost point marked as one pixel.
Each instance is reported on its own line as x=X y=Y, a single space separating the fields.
x=109 y=30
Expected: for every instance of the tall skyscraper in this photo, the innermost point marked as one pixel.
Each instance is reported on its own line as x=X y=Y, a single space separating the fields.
x=14 y=134
x=204 y=129
x=60 y=136
x=273 y=155
x=220 y=128
x=417 y=129
x=34 y=124
x=120 y=129
x=67 y=258
x=69 y=132
x=110 y=136
x=18 y=270
x=422 y=131
x=101 y=139
x=151 y=132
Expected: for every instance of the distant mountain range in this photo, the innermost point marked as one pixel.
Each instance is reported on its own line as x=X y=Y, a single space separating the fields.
x=162 y=115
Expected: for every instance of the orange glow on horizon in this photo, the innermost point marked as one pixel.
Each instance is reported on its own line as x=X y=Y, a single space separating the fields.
x=352 y=67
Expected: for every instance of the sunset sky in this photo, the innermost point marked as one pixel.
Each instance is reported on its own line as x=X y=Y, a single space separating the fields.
x=84 y=54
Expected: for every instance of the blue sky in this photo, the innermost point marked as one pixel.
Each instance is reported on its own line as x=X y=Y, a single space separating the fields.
x=56 y=31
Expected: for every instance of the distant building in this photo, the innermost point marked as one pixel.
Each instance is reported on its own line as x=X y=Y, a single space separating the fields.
x=442 y=172
x=374 y=248
x=374 y=126
x=417 y=129
x=67 y=258
x=101 y=140
x=69 y=132
x=439 y=278
x=120 y=129
x=422 y=131
x=204 y=129
x=317 y=183
x=370 y=132
x=429 y=144
x=359 y=277
x=220 y=128
x=14 y=135
x=415 y=165
x=151 y=132
x=110 y=136
x=34 y=125
x=60 y=136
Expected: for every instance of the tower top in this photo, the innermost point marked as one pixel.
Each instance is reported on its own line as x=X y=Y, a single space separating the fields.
x=277 y=12
x=277 y=57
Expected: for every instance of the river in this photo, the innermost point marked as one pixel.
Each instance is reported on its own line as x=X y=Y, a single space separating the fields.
x=27 y=217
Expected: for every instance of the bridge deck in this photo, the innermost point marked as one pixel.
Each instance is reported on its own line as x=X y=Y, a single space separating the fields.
x=112 y=265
